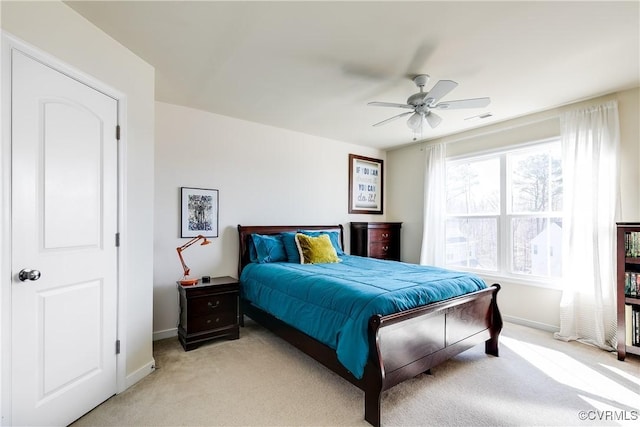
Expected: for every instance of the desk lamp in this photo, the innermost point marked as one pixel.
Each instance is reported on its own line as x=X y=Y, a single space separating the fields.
x=185 y=281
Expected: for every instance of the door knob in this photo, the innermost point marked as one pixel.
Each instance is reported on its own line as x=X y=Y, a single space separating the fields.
x=25 y=274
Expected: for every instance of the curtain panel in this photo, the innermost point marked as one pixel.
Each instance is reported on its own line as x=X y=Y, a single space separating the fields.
x=590 y=145
x=433 y=235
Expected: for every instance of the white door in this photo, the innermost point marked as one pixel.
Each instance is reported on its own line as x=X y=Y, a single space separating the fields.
x=64 y=222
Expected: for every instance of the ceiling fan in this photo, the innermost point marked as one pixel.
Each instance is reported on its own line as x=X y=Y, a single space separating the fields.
x=422 y=103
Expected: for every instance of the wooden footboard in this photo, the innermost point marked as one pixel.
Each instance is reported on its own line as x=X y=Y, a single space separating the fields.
x=405 y=344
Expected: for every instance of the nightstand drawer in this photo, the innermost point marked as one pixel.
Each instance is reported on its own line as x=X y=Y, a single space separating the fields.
x=210 y=304
x=213 y=321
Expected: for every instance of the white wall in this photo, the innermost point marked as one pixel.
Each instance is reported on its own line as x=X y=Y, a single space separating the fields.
x=532 y=305
x=57 y=30
x=264 y=175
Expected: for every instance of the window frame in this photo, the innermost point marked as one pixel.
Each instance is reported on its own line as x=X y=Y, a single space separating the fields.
x=505 y=216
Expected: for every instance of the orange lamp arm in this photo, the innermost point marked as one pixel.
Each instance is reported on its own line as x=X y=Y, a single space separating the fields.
x=185 y=246
x=184 y=266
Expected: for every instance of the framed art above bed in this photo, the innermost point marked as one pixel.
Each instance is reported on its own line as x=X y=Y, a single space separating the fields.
x=365 y=185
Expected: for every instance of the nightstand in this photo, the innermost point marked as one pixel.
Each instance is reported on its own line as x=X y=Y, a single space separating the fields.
x=209 y=311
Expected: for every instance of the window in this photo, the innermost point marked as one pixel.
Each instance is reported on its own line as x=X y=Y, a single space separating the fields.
x=504 y=212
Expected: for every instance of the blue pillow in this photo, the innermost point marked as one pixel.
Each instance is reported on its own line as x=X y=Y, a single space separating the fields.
x=253 y=255
x=290 y=247
x=269 y=248
x=334 y=236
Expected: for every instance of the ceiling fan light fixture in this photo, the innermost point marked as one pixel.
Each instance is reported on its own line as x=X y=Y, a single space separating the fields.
x=416 y=121
x=433 y=119
x=418 y=124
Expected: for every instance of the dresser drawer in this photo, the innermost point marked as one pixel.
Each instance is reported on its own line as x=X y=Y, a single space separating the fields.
x=209 y=304
x=379 y=235
x=381 y=250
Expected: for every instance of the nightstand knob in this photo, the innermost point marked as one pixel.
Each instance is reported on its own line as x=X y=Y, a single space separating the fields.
x=212 y=306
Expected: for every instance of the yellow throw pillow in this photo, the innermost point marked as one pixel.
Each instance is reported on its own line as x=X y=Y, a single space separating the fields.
x=316 y=250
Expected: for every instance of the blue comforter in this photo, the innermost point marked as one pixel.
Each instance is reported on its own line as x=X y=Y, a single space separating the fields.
x=333 y=302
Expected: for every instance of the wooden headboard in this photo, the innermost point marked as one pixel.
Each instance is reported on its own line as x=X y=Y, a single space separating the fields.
x=245 y=232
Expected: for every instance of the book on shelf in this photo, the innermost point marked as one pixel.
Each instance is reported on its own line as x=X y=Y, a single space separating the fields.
x=635 y=338
x=628 y=321
x=632 y=244
x=631 y=284
x=632 y=325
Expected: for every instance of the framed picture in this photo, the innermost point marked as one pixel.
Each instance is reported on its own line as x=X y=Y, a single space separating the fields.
x=199 y=212
x=365 y=185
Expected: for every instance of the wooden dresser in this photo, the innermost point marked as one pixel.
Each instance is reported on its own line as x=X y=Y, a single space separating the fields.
x=376 y=239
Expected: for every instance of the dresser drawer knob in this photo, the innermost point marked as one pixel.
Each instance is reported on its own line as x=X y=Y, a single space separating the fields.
x=385 y=235
x=212 y=306
x=385 y=248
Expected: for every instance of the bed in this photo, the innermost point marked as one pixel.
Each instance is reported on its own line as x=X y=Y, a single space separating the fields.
x=398 y=344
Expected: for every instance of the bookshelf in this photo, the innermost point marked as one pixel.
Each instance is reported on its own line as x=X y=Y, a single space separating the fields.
x=628 y=288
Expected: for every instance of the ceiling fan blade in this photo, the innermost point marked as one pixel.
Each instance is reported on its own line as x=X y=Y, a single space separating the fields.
x=393 y=118
x=390 y=104
x=463 y=103
x=440 y=89
x=433 y=119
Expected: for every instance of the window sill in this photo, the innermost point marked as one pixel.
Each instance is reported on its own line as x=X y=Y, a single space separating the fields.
x=554 y=284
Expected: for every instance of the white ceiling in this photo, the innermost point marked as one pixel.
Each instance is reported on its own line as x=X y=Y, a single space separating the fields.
x=313 y=66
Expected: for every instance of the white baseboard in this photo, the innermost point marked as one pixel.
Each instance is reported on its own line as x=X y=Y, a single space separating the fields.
x=167 y=333
x=530 y=323
x=140 y=373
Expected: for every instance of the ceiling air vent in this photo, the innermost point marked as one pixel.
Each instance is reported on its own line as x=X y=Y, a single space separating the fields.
x=479 y=117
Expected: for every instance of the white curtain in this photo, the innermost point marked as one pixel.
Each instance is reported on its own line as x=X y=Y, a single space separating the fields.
x=433 y=235
x=590 y=140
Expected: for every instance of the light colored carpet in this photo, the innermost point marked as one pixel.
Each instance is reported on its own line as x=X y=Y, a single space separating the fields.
x=261 y=380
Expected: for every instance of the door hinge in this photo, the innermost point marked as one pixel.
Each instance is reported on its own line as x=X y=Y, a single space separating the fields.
x=117 y=240
x=118 y=132
x=117 y=346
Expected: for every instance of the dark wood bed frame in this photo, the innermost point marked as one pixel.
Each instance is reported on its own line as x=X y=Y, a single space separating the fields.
x=401 y=345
